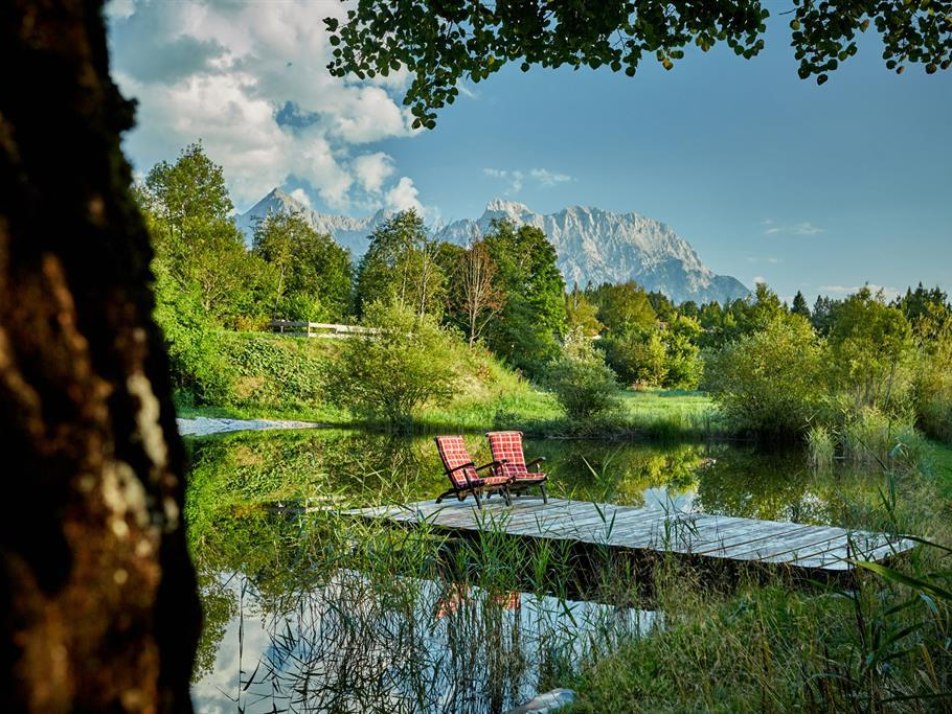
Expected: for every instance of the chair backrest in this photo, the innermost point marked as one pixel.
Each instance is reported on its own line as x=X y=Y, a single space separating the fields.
x=507 y=446
x=453 y=453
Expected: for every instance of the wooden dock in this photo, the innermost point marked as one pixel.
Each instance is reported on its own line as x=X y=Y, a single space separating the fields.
x=824 y=548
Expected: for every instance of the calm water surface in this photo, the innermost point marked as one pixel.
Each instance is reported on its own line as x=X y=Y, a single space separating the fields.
x=302 y=616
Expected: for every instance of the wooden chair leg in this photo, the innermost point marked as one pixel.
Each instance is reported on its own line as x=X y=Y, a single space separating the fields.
x=545 y=498
x=506 y=496
x=443 y=495
x=479 y=504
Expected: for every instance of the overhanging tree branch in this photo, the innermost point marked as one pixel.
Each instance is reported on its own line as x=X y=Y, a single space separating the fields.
x=441 y=42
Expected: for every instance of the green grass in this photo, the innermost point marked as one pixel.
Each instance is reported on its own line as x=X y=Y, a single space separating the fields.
x=655 y=415
x=939 y=467
x=771 y=648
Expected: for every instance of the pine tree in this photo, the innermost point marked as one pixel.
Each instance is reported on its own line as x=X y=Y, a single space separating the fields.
x=799 y=306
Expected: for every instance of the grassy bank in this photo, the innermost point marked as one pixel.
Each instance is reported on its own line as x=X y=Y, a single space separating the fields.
x=275 y=377
x=653 y=415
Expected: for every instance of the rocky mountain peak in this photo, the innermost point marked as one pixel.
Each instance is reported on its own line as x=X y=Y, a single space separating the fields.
x=593 y=245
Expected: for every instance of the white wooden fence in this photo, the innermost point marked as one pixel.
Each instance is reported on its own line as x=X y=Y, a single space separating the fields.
x=320 y=329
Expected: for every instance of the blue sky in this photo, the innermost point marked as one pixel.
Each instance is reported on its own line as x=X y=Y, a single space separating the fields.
x=769 y=177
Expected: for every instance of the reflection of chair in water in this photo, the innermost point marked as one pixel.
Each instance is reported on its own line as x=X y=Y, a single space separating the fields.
x=507 y=453
x=463 y=473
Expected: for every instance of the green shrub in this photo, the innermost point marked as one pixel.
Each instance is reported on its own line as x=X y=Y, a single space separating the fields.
x=386 y=376
x=584 y=385
x=770 y=381
x=199 y=371
x=932 y=385
x=871 y=436
x=638 y=357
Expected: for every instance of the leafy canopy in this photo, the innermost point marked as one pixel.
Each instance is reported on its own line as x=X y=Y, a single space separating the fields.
x=401 y=266
x=526 y=331
x=441 y=42
x=313 y=271
x=198 y=249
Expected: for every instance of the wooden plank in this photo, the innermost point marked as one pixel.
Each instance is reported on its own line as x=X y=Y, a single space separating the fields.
x=842 y=552
x=589 y=518
x=800 y=541
x=842 y=543
x=704 y=535
x=649 y=526
x=530 y=514
x=758 y=531
x=681 y=533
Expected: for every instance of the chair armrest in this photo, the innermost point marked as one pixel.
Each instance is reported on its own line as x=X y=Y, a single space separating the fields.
x=536 y=461
x=461 y=466
x=491 y=463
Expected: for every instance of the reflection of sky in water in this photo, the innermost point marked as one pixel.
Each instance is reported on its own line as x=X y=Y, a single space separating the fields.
x=353 y=651
x=670 y=500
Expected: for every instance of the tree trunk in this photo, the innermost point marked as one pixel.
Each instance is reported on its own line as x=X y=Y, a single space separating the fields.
x=98 y=604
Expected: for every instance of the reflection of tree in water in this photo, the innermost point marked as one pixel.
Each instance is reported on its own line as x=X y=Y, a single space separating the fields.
x=266 y=467
x=751 y=484
x=782 y=486
x=618 y=473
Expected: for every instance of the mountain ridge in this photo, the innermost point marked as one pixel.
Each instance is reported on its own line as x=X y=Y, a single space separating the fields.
x=593 y=245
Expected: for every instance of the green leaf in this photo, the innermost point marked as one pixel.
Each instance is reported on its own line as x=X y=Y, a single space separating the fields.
x=895 y=576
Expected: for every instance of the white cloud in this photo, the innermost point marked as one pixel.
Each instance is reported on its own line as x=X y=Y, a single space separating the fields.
x=758 y=279
x=889 y=293
x=372 y=170
x=300 y=195
x=769 y=259
x=517 y=179
x=403 y=196
x=513 y=178
x=800 y=229
x=549 y=178
x=120 y=8
x=249 y=80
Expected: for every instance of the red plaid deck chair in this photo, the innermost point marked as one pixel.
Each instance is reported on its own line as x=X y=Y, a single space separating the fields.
x=507 y=452
x=463 y=473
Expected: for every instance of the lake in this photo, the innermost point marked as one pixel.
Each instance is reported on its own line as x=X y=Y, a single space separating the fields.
x=308 y=612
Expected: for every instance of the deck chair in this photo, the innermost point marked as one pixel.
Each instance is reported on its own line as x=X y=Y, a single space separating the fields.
x=463 y=473
x=507 y=452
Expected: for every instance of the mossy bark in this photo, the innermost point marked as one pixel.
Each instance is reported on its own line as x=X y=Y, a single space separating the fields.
x=98 y=604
